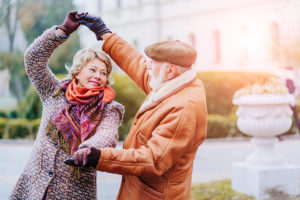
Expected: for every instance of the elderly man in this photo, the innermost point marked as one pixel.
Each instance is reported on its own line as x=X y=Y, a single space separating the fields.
x=159 y=151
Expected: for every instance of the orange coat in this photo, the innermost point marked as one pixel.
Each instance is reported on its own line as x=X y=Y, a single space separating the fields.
x=159 y=151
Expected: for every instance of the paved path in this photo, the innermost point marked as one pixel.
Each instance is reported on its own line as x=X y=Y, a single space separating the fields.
x=213 y=162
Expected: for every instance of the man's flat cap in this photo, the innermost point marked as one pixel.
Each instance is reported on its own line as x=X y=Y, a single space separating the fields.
x=172 y=51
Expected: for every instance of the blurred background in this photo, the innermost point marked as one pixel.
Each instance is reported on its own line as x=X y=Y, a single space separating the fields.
x=238 y=42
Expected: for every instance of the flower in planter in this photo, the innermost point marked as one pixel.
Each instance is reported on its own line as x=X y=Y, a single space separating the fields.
x=270 y=86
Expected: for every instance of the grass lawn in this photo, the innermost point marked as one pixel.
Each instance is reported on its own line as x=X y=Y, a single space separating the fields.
x=221 y=190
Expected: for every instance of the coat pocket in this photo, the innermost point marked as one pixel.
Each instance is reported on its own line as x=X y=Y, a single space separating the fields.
x=142 y=139
x=140 y=190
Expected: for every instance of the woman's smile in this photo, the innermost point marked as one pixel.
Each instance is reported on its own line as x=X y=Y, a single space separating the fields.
x=93 y=74
x=96 y=83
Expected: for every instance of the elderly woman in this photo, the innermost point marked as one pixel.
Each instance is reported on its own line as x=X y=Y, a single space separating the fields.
x=79 y=111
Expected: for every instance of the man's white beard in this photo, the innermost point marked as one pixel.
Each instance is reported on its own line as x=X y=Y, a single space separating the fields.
x=155 y=82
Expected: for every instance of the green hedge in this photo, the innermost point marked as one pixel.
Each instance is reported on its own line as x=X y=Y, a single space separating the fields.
x=3 y=122
x=221 y=126
x=218 y=126
x=3 y=114
x=17 y=128
x=220 y=87
x=34 y=127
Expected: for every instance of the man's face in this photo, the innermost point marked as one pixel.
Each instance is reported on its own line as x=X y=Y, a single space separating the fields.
x=156 y=70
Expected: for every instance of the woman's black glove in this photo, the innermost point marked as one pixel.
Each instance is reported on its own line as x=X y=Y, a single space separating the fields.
x=95 y=24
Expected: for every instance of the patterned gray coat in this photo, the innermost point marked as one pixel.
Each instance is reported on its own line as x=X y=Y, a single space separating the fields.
x=45 y=170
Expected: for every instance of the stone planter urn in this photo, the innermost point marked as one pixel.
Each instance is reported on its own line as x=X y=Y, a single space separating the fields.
x=264 y=116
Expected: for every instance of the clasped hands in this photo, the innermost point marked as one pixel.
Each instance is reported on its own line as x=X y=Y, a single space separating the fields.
x=95 y=24
x=86 y=156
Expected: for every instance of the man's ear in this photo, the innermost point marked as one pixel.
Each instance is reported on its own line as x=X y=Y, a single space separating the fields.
x=171 y=72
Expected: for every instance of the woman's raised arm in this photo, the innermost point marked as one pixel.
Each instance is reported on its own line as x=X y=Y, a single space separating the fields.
x=37 y=54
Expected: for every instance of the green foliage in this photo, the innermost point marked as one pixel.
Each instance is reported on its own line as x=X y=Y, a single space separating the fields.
x=130 y=96
x=220 y=87
x=43 y=15
x=34 y=127
x=3 y=114
x=125 y=128
x=221 y=126
x=31 y=106
x=217 y=190
x=13 y=114
x=3 y=122
x=13 y=61
x=17 y=128
x=36 y=16
x=64 y=54
x=19 y=81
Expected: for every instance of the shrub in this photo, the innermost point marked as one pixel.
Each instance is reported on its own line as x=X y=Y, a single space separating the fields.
x=17 y=128
x=220 y=126
x=14 y=62
x=34 y=127
x=130 y=96
x=3 y=114
x=220 y=87
x=124 y=129
x=13 y=114
x=31 y=106
x=3 y=122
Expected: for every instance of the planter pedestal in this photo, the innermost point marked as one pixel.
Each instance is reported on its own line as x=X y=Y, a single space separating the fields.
x=264 y=172
x=264 y=117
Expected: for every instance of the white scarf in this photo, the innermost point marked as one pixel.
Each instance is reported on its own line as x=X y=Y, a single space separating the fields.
x=168 y=87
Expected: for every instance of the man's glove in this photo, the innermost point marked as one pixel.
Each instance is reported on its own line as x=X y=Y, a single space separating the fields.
x=86 y=157
x=71 y=23
x=95 y=24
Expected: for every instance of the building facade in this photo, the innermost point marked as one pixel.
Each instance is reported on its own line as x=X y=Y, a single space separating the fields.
x=249 y=35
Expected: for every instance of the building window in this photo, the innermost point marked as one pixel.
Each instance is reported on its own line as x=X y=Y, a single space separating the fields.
x=275 y=40
x=217 y=46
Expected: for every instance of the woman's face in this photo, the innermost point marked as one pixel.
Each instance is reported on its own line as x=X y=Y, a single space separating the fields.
x=93 y=74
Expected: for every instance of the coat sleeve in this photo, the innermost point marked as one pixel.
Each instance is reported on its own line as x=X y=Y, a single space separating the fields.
x=36 y=59
x=106 y=134
x=129 y=59
x=169 y=141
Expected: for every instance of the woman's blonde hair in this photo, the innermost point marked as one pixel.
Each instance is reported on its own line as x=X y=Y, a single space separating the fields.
x=84 y=56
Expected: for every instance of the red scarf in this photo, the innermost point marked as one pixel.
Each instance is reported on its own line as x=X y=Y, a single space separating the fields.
x=80 y=118
x=78 y=95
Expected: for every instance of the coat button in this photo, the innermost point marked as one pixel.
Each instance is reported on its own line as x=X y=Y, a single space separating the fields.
x=50 y=174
